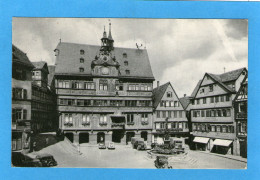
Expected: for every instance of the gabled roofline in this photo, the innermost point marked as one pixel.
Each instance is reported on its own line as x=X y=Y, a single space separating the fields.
x=240 y=88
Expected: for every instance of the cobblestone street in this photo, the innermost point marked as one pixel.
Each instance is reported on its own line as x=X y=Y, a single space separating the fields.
x=126 y=157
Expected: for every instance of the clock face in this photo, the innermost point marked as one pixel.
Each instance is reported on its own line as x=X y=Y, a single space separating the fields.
x=105 y=71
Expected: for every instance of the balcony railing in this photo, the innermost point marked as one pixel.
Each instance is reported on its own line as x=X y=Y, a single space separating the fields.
x=242 y=115
x=118 y=125
x=170 y=130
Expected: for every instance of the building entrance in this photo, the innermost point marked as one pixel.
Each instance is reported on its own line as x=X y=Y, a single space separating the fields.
x=129 y=135
x=83 y=138
x=117 y=135
x=69 y=136
x=100 y=137
x=144 y=135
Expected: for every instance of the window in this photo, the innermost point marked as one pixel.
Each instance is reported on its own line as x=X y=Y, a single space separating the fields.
x=201 y=90
x=194 y=114
x=222 y=98
x=227 y=98
x=103 y=119
x=144 y=117
x=210 y=88
x=126 y=63
x=157 y=126
x=130 y=103
x=192 y=101
x=175 y=114
x=80 y=102
x=228 y=113
x=81 y=69
x=216 y=99
x=87 y=102
x=162 y=103
x=164 y=114
x=169 y=94
x=158 y=114
x=203 y=127
x=224 y=112
x=89 y=85
x=219 y=114
x=194 y=127
x=218 y=129
x=127 y=72
x=82 y=52
x=174 y=125
x=202 y=113
x=212 y=113
x=169 y=114
x=242 y=107
x=24 y=94
x=198 y=101
x=180 y=125
x=171 y=103
x=130 y=118
x=81 y=60
x=103 y=84
x=119 y=86
x=198 y=113
x=204 y=100
x=85 y=119
x=211 y=99
x=176 y=104
x=213 y=129
x=224 y=129
x=167 y=103
x=71 y=102
x=180 y=114
x=124 y=55
x=162 y=125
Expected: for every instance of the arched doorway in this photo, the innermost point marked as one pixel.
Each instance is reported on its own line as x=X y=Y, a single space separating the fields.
x=69 y=136
x=83 y=137
x=100 y=137
x=129 y=135
x=144 y=135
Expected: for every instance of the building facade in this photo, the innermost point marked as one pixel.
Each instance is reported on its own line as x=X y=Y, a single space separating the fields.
x=168 y=111
x=104 y=93
x=21 y=100
x=240 y=104
x=212 y=111
x=43 y=106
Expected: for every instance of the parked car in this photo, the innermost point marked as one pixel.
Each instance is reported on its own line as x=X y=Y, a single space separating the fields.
x=33 y=160
x=111 y=145
x=102 y=146
x=141 y=145
x=133 y=140
x=161 y=162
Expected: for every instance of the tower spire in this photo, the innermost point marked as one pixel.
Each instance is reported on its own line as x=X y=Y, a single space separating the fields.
x=110 y=35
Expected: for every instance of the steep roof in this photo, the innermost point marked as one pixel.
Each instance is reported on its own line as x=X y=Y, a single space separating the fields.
x=41 y=65
x=193 y=94
x=68 y=60
x=158 y=93
x=185 y=101
x=51 y=69
x=18 y=56
x=221 y=79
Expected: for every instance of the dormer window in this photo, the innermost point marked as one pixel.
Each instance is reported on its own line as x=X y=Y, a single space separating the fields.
x=126 y=63
x=81 y=69
x=81 y=60
x=82 y=52
x=127 y=72
x=169 y=94
x=210 y=88
x=124 y=55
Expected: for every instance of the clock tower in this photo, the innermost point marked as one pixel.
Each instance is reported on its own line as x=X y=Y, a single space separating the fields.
x=105 y=63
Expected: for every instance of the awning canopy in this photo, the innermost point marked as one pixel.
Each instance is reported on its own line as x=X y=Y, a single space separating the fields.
x=201 y=140
x=222 y=142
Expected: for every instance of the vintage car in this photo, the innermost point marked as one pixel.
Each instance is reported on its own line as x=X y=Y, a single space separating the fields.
x=111 y=145
x=39 y=160
x=161 y=162
x=102 y=146
x=140 y=145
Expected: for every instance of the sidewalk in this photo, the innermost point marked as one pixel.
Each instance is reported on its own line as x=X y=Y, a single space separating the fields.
x=237 y=158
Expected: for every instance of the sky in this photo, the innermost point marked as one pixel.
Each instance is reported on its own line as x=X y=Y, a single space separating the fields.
x=180 y=50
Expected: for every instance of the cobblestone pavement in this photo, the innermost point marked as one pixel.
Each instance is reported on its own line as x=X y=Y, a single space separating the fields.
x=126 y=157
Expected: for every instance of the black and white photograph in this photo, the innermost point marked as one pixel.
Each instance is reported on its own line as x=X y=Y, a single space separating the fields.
x=129 y=93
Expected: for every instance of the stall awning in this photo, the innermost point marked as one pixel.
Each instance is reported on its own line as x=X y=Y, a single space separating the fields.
x=201 y=140
x=222 y=142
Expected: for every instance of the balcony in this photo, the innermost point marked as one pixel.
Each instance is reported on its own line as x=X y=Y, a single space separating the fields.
x=117 y=125
x=242 y=115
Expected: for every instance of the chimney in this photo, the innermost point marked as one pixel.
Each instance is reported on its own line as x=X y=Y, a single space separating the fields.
x=184 y=95
x=158 y=83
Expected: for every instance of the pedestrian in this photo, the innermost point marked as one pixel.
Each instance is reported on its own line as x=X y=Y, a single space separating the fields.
x=34 y=146
x=46 y=141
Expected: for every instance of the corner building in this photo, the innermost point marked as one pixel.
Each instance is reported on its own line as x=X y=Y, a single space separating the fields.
x=212 y=111
x=104 y=93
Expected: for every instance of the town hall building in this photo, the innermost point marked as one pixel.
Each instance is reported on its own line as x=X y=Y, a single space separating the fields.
x=104 y=93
